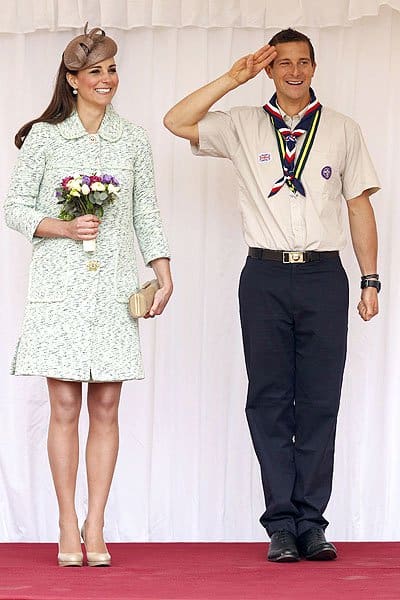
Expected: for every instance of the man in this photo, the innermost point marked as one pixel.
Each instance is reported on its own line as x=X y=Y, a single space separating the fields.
x=296 y=160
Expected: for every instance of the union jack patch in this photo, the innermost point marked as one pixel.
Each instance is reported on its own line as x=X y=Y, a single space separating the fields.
x=264 y=157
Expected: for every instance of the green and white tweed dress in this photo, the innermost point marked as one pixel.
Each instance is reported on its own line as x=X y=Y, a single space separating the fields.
x=76 y=324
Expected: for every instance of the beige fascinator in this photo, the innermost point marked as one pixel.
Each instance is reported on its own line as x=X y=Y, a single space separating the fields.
x=88 y=49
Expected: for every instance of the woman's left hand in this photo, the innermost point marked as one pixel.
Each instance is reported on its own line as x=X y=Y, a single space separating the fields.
x=161 y=268
x=160 y=301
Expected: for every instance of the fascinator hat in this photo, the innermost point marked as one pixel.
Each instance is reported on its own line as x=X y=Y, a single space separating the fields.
x=88 y=49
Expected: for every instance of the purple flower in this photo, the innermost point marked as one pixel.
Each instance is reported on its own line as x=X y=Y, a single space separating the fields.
x=106 y=179
x=58 y=194
x=114 y=181
x=86 y=180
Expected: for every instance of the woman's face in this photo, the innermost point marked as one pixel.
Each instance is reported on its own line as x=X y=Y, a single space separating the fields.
x=97 y=84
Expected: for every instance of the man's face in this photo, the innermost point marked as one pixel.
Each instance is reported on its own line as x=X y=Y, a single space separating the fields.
x=292 y=72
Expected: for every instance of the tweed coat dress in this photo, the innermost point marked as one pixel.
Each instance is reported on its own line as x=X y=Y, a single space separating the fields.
x=76 y=324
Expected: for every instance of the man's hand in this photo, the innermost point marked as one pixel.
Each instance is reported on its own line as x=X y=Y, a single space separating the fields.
x=368 y=305
x=183 y=118
x=365 y=243
x=251 y=65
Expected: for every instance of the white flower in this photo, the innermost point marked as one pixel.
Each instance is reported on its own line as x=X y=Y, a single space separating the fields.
x=74 y=184
x=85 y=189
x=97 y=186
x=113 y=189
x=74 y=193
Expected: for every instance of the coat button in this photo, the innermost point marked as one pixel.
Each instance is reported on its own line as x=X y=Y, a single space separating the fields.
x=93 y=265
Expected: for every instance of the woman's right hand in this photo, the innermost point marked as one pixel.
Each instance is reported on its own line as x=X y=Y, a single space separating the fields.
x=83 y=228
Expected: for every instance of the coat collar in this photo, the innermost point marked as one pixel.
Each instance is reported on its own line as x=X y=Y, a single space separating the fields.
x=110 y=128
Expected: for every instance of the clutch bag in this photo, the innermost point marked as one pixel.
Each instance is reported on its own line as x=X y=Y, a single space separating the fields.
x=140 y=302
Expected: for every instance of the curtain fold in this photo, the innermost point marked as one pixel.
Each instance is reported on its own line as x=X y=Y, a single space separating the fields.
x=23 y=16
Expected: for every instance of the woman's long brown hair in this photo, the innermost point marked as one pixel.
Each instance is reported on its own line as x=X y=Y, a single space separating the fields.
x=61 y=106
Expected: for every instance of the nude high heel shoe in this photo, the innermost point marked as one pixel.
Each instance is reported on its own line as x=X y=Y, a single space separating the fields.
x=69 y=559
x=96 y=559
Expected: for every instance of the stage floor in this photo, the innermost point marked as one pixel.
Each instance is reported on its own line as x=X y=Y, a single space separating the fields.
x=201 y=571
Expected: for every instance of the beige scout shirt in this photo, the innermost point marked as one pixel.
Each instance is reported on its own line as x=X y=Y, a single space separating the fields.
x=338 y=166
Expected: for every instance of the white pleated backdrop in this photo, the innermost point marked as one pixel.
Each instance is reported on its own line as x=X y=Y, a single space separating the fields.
x=186 y=468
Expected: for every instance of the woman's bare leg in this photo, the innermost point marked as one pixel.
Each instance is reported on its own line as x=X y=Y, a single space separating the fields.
x=101 y=455
x=63 y=450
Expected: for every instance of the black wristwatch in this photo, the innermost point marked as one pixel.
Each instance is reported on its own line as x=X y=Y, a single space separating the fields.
x=371 y=283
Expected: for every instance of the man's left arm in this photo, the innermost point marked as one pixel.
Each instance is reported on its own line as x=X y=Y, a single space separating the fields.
x=365 y=243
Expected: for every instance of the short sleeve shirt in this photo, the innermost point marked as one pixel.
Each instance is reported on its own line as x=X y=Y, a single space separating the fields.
x=338 y=166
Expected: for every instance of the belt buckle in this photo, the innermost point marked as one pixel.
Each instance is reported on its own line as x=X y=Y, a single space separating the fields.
x=293 y=257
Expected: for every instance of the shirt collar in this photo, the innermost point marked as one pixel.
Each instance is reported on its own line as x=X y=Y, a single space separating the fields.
x=294 y=120
x=110 y=128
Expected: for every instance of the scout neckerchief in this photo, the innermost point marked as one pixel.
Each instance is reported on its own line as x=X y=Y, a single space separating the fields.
x=287 y=139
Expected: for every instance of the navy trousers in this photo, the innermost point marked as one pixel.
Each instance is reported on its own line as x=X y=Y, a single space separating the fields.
x=294 y=326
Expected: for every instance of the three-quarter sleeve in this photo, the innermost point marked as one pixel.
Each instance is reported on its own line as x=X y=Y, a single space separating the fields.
x=146 y=214
x=20 y=204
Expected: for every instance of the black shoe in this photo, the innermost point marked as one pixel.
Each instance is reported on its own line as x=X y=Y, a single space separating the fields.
x=283 y=547
x=312 y=545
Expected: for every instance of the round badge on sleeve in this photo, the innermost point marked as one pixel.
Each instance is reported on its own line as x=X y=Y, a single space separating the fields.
x=326 y=172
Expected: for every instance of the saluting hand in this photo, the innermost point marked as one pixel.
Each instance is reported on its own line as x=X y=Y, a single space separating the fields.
x=249 y=66
x=85 y=227
x=368 y=305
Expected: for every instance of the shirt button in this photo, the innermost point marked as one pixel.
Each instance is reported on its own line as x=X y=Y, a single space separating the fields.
x=92 y=138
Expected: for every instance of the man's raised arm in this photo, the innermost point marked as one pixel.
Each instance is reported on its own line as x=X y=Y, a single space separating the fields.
x=183 y=118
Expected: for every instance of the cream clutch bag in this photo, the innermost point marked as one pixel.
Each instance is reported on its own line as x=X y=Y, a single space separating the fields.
x=140 y=302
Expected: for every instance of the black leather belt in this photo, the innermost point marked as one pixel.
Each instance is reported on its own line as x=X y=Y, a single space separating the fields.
x=292 y=256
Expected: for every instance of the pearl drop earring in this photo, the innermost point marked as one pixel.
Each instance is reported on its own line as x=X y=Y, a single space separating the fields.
x=75 y=91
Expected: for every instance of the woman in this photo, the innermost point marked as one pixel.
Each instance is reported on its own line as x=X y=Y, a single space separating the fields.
x=76 y=326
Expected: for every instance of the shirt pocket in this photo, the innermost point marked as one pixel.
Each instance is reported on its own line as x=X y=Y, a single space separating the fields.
x=49 y=272
x=323 y=173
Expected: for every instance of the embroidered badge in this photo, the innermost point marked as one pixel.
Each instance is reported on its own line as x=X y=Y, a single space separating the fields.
x=264 y=157
x=326 y=172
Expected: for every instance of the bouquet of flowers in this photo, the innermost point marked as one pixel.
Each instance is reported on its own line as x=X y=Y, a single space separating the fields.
x=86 y=195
